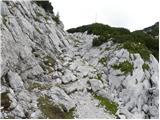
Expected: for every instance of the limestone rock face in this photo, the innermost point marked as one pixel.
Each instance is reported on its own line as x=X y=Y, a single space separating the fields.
x=15 y=81
x=43 y=67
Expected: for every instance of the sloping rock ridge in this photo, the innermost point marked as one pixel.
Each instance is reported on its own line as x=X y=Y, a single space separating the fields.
x=49 y=73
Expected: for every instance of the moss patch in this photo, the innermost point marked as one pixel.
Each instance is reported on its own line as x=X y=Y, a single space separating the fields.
x=145 y=67
x=125 y=67
x=52 y=111
x=103 y=60
x=5 y=101
x=110 y=106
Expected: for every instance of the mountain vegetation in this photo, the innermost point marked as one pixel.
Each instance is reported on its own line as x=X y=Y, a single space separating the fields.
x=45 y=5
x=147 y=37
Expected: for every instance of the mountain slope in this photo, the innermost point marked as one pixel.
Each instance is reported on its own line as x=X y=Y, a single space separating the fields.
x=148 y=37
x=49 y=73
x=153 y=30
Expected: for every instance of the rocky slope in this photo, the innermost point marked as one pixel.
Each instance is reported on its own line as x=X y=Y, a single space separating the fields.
x=49 y=73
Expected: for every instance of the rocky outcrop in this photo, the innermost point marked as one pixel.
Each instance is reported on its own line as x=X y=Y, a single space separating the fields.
x=45 y=68
x=15 y=81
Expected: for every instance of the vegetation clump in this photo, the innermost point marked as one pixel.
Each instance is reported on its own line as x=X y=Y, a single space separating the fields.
x=138 y=48
x=147 y=37
x=125 y=67
x=49 y=61
x=98 y=41
x=46 y=5
x=110 y=106
x=103 y=60
x=5 y=101
x=99 y=76
x=145 y=66
x=48 y=64
x=56 y=18
x=52 y=111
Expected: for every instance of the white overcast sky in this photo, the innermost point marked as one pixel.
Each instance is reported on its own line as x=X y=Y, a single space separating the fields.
x=131 y=14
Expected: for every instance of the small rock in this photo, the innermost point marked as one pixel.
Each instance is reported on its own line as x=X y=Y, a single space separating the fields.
x=13 y=103
x=96 y=84
x=68 y=76
x=18 y=111
x=145 y=108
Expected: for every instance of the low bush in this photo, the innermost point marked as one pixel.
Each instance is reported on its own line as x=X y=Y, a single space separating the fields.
x=147 y=37
x=145 y=67
x=103 y=60
x=138 y=48
x=125 y=67
x=56 y=19
x=110 y=106
x=46 y=5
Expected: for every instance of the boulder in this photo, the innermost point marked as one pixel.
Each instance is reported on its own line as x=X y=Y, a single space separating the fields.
x=15 y=81
x=96 y=84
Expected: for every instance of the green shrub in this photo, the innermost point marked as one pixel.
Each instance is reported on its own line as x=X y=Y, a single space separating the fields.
x=125 y=67
x=137 y=48
x=103 y=60
x=122 y=35
x=153 y=30
x=46 y=5
x=145 y=66
x=52 y=111
x=96 y=42
x=122 y=38
x=5 y=101
x=112 y=107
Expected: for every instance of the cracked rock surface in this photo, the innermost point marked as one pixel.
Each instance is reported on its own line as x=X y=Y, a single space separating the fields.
x=42 y=61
